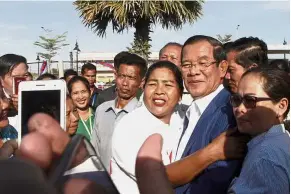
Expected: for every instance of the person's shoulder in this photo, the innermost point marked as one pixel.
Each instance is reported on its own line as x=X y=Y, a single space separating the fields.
x=134 y=116
x=104 y=106
x=108 y=90
x=223 y=97
x=97 y=90
x=274 y=147
x=222 y=103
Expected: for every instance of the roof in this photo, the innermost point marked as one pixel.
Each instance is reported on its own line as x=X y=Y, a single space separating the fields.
x=279 y=49
x=109 y=56
x=103 y=56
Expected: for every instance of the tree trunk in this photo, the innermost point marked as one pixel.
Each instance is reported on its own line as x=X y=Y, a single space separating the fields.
x=141 y=44
x=49 y=65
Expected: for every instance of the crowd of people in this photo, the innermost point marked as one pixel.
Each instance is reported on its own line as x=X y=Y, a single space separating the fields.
x=205 y=118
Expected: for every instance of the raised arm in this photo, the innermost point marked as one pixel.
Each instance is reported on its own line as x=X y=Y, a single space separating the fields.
x=226 y=146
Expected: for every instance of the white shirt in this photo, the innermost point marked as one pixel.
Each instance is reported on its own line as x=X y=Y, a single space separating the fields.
x=187 y=99
x=13 y=122
x=193 y=114
x=129 y=135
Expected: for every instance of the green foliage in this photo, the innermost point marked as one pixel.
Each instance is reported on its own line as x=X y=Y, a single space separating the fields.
x=138 y=14
x=224 y=39
x=51 y=45
x=55 y=71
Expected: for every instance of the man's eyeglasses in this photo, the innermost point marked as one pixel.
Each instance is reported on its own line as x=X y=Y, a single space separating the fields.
x=248 y=101
x=202 y=65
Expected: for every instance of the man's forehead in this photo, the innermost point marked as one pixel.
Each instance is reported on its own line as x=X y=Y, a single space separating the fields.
x=198 y=49
x=172 y=47
x=127 y=67
x=89 y=71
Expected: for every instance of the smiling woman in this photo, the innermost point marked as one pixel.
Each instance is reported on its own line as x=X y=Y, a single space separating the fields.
x=162 y=91
x=79 y=90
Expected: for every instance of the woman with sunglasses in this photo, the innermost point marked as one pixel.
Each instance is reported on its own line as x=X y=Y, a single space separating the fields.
x=79 y=90
x=260 y=107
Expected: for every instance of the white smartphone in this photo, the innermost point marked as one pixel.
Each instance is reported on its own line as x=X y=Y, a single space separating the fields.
x=47 y=96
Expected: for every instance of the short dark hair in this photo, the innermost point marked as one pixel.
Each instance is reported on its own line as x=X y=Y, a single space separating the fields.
x=218 y=51
x=172 y=67
x=170 y=44
x=118 y=57
x=276 y=83
x=88 y=66
x=227 y=46
x=251 y=50
x=69 y=72
x=9 y=61
x=281 y=64
x=136 y=60
x=47 y=75
x=78 y=79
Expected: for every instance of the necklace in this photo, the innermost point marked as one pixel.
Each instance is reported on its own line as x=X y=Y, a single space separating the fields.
x=88 y=128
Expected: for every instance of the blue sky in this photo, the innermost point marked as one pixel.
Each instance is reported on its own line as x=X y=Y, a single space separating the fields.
x=21 y=22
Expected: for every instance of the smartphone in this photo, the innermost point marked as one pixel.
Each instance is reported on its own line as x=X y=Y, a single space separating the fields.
x=45 y=96
x=15 y=83
x=80 y=160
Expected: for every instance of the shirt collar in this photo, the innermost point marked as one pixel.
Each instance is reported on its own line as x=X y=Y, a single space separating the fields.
x=128 y=108
x=203 y=102
x=153 y=120
x=274 y=130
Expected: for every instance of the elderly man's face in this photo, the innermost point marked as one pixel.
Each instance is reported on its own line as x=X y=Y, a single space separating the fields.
x=171 y=53
x=201 y=81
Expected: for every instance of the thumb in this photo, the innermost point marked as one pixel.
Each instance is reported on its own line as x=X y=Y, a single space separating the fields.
x=150 y=171
x=151 y=148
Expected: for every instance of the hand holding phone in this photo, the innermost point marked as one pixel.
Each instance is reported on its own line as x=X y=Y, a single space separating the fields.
x=47 y=96
x=14 y=99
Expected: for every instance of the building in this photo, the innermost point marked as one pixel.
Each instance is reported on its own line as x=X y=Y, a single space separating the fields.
x=105 y=68
x=104 y=63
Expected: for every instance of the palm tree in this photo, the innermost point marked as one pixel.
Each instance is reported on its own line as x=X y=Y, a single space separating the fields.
x=224 y=39
x=138 y=14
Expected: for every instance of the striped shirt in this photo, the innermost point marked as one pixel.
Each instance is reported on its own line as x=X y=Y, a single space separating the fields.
x=266 y=167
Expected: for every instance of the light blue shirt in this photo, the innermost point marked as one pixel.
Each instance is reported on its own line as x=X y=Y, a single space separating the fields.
x=106 y=117
x=266 y=167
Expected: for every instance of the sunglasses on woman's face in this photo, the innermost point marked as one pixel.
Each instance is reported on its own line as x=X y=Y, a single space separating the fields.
x=248 y=101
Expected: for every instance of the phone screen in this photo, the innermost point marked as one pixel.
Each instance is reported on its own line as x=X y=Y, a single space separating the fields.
x=40 y=101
